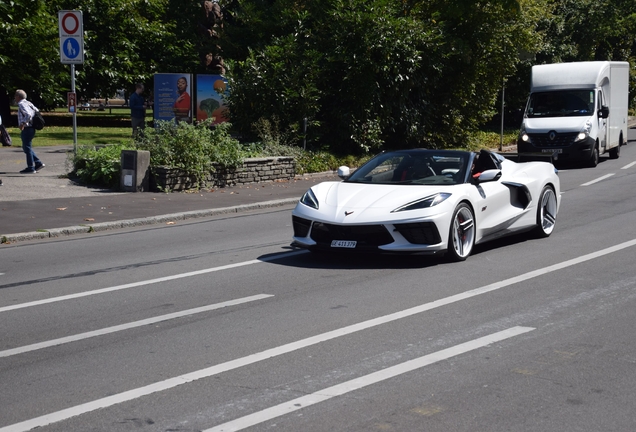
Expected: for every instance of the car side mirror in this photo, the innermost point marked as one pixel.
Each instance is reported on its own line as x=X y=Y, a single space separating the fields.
x=344 y=172
x=603 y=112
x=489 y=175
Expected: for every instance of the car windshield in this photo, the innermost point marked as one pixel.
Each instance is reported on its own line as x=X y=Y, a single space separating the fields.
x=561 y=103
x=414 y=167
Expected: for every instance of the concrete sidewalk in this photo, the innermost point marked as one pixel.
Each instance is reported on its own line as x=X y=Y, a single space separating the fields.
x=47 y=204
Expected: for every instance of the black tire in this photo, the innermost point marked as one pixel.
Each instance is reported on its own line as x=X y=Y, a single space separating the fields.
x=546 y=213
x=615 y=153
x=594 y=158
x=461 y=236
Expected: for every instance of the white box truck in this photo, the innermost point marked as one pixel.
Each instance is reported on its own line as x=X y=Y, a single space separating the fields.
x=576 y=111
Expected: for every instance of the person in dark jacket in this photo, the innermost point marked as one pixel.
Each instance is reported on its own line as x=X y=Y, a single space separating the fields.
x=137 y=110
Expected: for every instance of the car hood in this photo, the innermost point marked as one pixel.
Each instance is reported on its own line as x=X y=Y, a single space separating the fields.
x=343 y=202
x=559 y=124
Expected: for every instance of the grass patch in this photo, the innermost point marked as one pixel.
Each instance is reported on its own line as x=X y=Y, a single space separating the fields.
x=62 y=135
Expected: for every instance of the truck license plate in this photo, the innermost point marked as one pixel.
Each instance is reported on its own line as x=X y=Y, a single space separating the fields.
x=343 y=244
x=552 y=150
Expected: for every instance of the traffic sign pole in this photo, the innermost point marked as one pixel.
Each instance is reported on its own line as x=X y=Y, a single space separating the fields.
x=74 y=112
x=72 y=51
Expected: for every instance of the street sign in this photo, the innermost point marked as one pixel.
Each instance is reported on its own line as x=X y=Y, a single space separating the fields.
x=71 y=98
x=71 y=37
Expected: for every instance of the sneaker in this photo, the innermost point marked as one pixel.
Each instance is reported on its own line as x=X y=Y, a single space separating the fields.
x=38 y=167
x=28 y=171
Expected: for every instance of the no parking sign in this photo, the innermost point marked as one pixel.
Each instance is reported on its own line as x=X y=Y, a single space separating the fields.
x=71 y=37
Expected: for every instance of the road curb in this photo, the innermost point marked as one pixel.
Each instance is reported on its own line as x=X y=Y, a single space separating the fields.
x=131 y=223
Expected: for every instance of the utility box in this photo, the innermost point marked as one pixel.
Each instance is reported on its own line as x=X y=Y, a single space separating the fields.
x=135 y=172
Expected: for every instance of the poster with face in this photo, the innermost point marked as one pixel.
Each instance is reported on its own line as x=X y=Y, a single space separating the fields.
x=172 y=100
x=212 y=93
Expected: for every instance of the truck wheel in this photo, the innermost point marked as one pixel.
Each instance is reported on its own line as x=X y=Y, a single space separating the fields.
x=615 y=153
x=593 y=161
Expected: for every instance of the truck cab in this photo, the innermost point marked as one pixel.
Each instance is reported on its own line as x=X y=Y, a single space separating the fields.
x=577 y=111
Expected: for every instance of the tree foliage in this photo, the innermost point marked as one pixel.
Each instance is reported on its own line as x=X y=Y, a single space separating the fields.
x=373 y=73
x=365 y=74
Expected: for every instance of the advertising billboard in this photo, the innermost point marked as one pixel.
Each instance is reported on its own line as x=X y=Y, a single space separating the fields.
x=212 y=91
x=172 y=100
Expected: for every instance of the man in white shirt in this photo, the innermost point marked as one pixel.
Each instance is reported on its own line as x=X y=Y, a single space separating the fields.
x=26 y=111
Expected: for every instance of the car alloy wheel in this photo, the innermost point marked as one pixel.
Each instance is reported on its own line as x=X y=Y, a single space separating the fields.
x=546 y=212
x=461 y=238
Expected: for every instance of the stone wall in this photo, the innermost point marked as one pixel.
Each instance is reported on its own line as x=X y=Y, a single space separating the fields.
x=253 y=170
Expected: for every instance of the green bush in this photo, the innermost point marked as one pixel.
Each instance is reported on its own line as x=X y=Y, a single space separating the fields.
x=98 y=165
x=191 y=148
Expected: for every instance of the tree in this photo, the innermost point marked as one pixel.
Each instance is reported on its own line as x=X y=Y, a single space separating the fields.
x=388 y=73
x=29 y=59
x=125 y=41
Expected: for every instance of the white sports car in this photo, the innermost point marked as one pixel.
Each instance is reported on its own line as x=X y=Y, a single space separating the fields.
x=428 y=201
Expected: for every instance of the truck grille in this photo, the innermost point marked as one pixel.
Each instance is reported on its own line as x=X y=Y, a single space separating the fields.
x=560 y=139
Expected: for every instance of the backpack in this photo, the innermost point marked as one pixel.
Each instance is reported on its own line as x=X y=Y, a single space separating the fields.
x=37 y=120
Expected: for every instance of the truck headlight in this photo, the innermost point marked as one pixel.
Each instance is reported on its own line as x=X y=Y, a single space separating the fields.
x=581 y=136
x=524 y=136
x=585 y=132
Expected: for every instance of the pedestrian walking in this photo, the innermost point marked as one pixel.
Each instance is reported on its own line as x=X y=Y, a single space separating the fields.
x=26 y=111
x=137 y=110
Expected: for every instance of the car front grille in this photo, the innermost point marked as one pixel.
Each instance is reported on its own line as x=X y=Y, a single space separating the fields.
x=559 y=140
x=419 y=233
x=366 y=236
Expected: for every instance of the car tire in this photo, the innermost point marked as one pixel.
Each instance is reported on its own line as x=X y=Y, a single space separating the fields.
x=546 y=212
x=461 y=236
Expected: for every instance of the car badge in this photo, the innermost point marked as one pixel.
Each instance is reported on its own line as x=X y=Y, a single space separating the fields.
x=552 y=135
x=348 y=213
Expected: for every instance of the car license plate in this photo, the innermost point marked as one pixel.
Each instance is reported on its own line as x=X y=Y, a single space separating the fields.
x=552 y=150
x=343 y=244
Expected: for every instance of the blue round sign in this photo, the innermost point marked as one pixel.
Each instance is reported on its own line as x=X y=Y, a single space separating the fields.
x=71 y=48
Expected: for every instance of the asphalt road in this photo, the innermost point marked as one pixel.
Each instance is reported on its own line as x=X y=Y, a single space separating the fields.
x=216 y=324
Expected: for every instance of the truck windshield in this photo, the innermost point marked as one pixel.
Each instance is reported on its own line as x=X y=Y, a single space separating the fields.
x=561 y=103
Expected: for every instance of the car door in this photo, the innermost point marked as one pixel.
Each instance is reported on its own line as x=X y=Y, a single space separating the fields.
x=494 y=212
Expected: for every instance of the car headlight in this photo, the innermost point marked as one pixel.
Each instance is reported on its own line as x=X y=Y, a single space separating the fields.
x=427 y=202
x=309 y=199
x=524 y=136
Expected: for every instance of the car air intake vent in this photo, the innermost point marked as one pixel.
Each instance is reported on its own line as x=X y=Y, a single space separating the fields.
x=364 y=235
x=419 y=233
x=301 y=226
x=553 y=139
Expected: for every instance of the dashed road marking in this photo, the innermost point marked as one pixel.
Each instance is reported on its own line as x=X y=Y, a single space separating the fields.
x=131 y=325
x=598 y=179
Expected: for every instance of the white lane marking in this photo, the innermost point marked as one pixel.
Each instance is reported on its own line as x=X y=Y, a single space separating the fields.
x=147 y=282
x=121 y=327
x=364 y=381
x=629 y=165
x=598 y=179
x=293 y=346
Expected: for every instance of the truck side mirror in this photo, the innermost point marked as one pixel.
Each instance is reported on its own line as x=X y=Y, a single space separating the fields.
x=603 y=112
